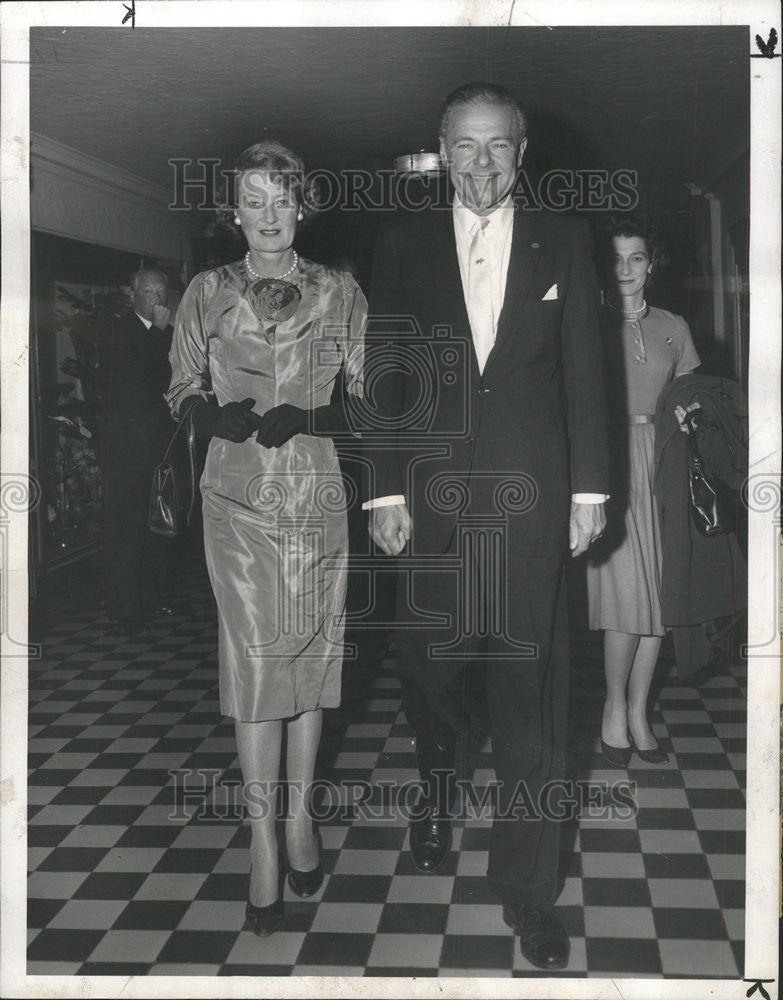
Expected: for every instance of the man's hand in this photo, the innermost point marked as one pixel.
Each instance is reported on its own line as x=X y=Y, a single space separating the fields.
x=588 y=521
x=280 y=424
x=161 y=316
x=390 y=527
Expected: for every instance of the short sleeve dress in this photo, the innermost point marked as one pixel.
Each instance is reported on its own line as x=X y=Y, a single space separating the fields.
x=275 y=531
x=624 y=567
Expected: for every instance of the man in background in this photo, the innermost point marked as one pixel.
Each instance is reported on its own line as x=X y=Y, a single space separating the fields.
x=137 y=426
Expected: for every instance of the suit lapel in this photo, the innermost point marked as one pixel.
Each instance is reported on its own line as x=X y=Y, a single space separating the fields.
x=138 y=322
x=527 y=248
x=440 y=264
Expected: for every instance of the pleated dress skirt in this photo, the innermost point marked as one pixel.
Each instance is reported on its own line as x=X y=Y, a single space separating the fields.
x=624 y=568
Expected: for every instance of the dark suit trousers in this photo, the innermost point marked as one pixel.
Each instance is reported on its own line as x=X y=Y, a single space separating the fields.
x=526 y=698
x=137 y=563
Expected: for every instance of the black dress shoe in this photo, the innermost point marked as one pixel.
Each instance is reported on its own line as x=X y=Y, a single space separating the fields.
x=130 y=624
x=542 y=938
x=307 y=883
x=619 y=756
x=655 y=756
x=163 y=611
x=264 y=920
x=430 y=841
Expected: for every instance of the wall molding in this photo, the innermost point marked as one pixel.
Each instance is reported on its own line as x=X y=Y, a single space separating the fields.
x=46 y=153
x=77 y=195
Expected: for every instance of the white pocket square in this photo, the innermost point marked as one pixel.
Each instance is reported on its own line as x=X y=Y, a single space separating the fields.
x=551 y=294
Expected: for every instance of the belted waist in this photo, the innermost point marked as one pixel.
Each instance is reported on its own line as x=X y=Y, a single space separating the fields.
x=634 y=418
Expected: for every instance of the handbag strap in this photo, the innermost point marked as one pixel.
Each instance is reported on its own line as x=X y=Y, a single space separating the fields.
x=191 y=460
x=690 y=438
x=187 y=422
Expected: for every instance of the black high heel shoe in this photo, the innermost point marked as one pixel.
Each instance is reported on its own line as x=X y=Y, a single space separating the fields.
x=619 y=756
x=265 y=920
x=655 y=756
x=306 y=884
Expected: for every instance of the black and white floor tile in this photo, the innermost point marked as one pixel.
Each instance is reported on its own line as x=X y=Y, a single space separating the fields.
x=128 y=875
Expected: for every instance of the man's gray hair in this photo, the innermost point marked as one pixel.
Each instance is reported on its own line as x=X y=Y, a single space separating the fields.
x=482 y=93
x=147 y=269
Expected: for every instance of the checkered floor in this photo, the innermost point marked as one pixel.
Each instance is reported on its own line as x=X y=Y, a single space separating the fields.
x=134 y=869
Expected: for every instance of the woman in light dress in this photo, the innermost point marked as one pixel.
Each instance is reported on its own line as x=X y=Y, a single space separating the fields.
x=258 y=345
x=645 y=348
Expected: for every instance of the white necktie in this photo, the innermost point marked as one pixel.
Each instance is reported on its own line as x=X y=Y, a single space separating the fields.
x=480 y=311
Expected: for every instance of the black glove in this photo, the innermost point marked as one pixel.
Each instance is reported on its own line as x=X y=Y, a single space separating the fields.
x=338 y=419
x=234 y=421
x=280 y=424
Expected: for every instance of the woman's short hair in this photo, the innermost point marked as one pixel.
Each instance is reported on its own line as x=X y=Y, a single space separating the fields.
x=481 y=93
x=640 y=225
x=284 y=166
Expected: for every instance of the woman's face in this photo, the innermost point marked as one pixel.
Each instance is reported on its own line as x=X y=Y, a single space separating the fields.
x=267 y=212
x=629 y=265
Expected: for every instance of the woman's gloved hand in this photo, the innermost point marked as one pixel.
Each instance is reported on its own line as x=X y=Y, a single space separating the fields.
x=234 y=421
x=283 y=422
x=280 y=424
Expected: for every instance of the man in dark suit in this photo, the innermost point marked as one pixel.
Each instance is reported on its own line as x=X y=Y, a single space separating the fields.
x=486 y=470
x=137 y=426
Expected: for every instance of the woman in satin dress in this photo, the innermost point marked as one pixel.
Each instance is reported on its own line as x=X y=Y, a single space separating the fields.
x=257 y=347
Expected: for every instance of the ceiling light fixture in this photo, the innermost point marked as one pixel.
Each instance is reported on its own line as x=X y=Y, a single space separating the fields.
x=421 y=162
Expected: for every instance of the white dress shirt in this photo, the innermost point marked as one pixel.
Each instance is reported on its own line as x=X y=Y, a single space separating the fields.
x=498 y=244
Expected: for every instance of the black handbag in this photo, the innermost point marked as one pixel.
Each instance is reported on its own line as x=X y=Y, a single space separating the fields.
x=172 y=499
x=713 y=505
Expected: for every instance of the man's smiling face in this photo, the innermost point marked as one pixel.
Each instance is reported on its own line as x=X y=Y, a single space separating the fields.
x=483 y=153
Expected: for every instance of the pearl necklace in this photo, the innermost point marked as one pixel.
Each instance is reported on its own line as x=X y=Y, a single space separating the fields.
x=628 y=312
x=255 y=274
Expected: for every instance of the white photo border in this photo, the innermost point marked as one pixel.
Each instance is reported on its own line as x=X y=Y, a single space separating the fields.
x=763 y=802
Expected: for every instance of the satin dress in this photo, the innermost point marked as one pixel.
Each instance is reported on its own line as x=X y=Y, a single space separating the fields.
x=275 y=530
x=624 y=567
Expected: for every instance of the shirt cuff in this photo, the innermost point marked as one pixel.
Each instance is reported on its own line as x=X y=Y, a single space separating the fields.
x=399 y=499
x=383 y=502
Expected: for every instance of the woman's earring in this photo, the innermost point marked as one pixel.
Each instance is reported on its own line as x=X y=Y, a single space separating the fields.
x=236 y=220
x=300 y=216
